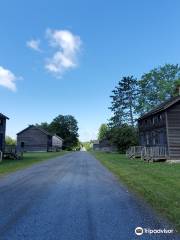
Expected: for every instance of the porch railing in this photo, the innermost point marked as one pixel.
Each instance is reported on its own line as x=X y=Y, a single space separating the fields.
x=148 y=153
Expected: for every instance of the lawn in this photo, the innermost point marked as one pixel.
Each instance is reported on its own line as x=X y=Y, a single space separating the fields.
x=7 y=166
x=158 y=183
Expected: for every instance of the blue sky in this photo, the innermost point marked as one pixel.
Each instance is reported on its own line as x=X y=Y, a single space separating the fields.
x=65 y=57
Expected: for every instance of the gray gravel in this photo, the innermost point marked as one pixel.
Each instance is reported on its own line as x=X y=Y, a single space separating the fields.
x=72 y=197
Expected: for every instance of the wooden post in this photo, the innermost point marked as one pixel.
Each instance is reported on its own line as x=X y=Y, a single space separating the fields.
x=1 y=155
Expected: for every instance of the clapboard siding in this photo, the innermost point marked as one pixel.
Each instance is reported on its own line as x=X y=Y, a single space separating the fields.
x=173 y=118
x=152 y=130
x=163 y=123
x=2 y=133
x=33 y=139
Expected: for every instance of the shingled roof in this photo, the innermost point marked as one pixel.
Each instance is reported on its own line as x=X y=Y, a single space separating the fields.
x=163 y=106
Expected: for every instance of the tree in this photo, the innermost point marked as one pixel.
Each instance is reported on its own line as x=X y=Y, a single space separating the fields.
x=157 y=86
x=103 y=132
x=44 y=125
x=10 y=141
x=67 y=128
x=123 y=104
x=124 y=137
x=87 y=145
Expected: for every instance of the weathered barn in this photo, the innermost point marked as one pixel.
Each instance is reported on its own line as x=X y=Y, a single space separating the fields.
x=161 y=128
x=104 y=146
x=34 y=138
x=3 y=119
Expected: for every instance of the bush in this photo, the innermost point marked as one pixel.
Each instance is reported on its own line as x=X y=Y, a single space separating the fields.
x=124 y=137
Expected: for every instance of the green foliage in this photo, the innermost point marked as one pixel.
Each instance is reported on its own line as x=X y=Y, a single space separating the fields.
x=66 y=127
x=87 y=145
x=103 y=132
x=123 y=104
x=7 y=166
x=132 y=98
x=44 y=125
x=78 y=146
x=157 y=86
x=123 y=137
x=10 y=141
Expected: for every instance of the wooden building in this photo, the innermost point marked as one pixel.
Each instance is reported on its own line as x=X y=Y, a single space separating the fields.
x=159 y=129
x=104 y=146
x=3 y=119
x=34 y=138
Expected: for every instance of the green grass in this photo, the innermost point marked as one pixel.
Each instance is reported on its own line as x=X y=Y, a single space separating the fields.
x=158 y=183
x=8 y=166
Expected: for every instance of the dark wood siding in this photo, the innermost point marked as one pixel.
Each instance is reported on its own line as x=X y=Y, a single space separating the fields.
x=32 y=139
x=2 y=133
x=152 y=130
x=173 y=118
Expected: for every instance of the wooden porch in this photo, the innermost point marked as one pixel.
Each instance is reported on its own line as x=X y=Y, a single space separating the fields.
x=157 y=153
x=12 y=152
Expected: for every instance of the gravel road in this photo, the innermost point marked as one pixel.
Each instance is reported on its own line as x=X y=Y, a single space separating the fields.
x=72 y=197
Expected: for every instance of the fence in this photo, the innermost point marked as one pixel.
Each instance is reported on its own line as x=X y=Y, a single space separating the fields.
x=12 y=151
x=155 y=153
x=135 y=152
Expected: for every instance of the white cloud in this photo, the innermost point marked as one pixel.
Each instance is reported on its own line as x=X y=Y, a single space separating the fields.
x=65 y=57
x=34 y=44
x=7 y=79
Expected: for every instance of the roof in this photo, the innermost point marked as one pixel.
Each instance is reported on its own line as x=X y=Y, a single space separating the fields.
x=3 y=116
x=58 y=137
x=163 y=106
x=41 y=129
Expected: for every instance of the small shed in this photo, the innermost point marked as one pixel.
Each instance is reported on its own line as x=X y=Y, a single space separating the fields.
x=159 y=129
x=3 y=119
x=104 y=146
x=34 y=138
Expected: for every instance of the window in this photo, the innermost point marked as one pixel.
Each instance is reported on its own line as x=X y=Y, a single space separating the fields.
x=159 y=117
x=147 y=138
x=22 y=144
x=157 y=138
x=154 y=138
x=152 y=120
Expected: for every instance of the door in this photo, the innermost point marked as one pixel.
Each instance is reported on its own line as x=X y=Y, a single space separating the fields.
x=1 y=141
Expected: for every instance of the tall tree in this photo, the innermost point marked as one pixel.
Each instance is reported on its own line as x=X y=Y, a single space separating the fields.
x=67 y=128
x=103 y=132
x=43 y=125
x=123 y=104
x=157 y=86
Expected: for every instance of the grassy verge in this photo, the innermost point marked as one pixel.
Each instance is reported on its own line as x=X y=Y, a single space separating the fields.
x=158 y=183
x=7 y=166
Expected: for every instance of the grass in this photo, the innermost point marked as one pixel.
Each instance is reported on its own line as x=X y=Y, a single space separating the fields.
x=158 y=183
x=8 y=166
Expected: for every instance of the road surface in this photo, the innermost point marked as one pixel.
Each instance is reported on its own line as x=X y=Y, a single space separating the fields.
x=72 y=197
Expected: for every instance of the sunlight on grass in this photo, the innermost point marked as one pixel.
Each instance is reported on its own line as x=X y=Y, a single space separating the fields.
x=7 y=166
x=158 y=183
